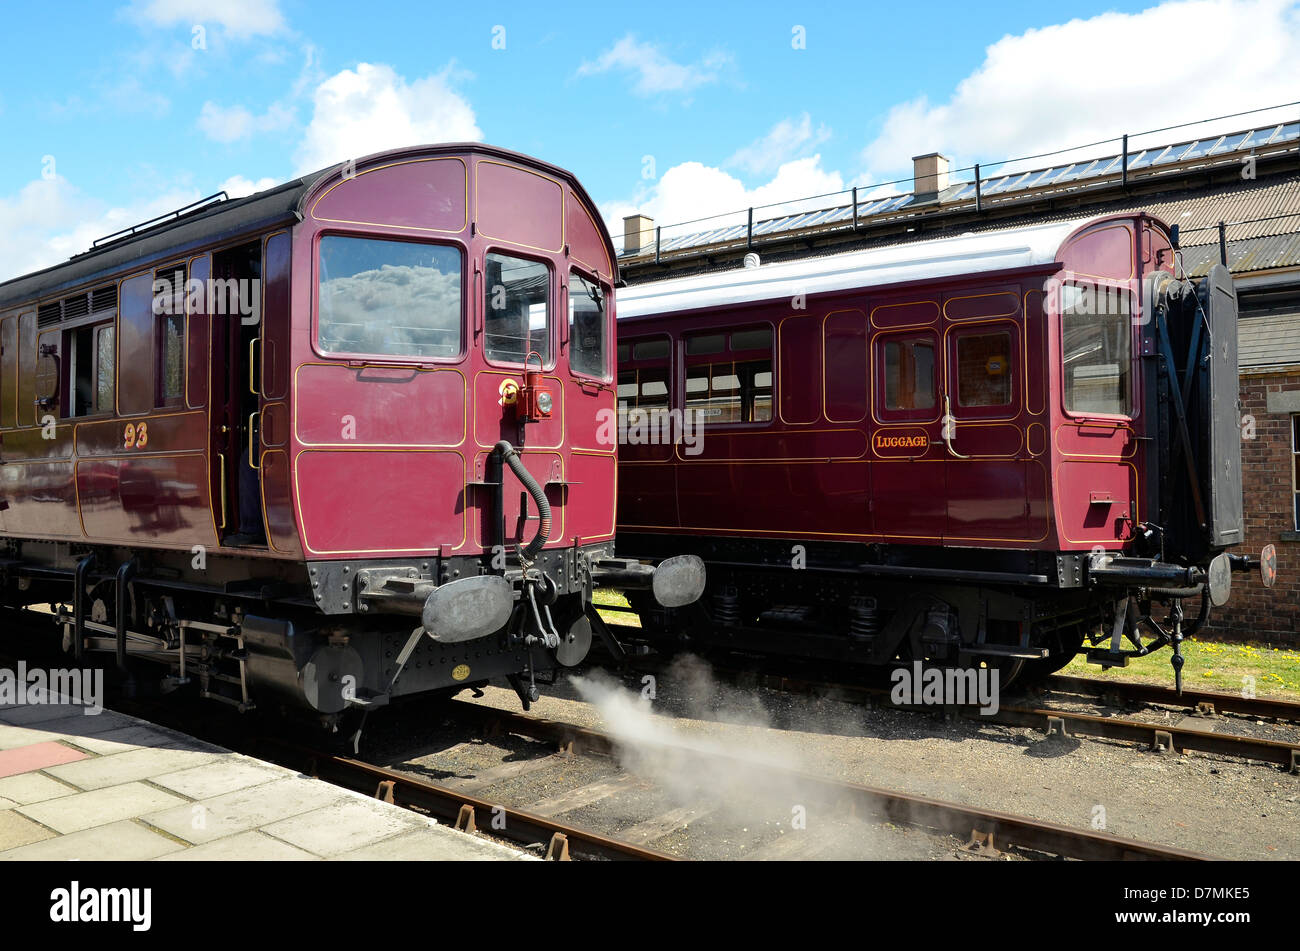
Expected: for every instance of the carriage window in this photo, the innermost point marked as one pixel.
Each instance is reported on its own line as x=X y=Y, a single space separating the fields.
x=643 y=391
x=656 y=349
x=728 y=390
x=586 y=327
x=909 y=374
x=517 y=309
x=984 y=369
x=171 y=356
x=105 y=363
x=1096 y=344
x=397 y=298
x=91 y=357
x=705 y=343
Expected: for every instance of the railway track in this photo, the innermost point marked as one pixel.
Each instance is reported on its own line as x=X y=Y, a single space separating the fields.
x=1189 y=734
x=464 y=812
x=1204 y=701
x=985 y=831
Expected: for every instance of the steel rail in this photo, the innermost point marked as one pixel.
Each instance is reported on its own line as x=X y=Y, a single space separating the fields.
x=458 y=809
x=1265 y=707
x=993 y=827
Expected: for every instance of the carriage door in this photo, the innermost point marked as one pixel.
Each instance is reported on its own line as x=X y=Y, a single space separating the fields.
x=236 y=337
x=982 y=434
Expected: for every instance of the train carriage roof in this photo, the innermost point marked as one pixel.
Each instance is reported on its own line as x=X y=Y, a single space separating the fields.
x=227 y=221
x=209 y=224
x=987 y=251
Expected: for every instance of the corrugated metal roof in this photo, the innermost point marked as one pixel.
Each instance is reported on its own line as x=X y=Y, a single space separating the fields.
x=1064 y=184
x=1268 y=341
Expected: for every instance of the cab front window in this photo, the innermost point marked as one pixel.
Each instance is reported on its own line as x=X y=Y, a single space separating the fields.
x=394 y=298
x=517 y=309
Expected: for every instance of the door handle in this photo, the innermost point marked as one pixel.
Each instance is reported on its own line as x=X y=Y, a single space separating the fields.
x=949 y=427
x=252 y=385
x=253 y=434
x=221 y=468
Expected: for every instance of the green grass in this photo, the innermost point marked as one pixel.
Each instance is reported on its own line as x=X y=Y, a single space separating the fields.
x=1211 y=665
x=612 y=606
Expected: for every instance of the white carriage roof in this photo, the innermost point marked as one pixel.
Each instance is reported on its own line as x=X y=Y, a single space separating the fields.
x=916 y=261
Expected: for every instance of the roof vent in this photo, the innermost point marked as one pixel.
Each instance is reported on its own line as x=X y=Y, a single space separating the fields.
x=48 y=314
x=103 y=298
x=929 y=176
x=76 y=306
x=752 y=260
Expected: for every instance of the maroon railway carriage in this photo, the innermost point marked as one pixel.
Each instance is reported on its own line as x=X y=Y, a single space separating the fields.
x=264 y=441
x=977 y=449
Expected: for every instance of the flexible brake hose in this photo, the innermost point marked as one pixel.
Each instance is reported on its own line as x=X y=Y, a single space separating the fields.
x=516 y=464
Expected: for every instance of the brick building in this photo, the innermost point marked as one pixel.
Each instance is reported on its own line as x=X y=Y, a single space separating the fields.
x=1233 y=196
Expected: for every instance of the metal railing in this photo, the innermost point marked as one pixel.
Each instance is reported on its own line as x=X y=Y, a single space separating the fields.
x=883 y=198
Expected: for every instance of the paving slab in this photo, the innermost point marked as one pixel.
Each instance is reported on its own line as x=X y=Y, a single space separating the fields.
x=28 y=759
x=100 y=807
x=344 y=826
x=101 y=771
x=68 y=728
x=228 y=774
x=36 y=712
x=124 y=738
x=33 y=787
x=124 y=841
x=17 y=831
x=434 y=845
x=244 y=809
x=243 y=847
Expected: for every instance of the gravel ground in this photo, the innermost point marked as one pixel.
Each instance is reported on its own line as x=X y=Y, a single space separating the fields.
x=1218 y=806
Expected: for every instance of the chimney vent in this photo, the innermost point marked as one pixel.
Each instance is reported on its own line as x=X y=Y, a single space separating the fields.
x=638 y=234
x=929 y=176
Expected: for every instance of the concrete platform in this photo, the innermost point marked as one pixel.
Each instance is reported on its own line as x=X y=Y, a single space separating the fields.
x=111 y=787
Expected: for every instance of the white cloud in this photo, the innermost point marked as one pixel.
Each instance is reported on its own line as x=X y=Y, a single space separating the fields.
x=655 y=72
x=788 y=139
x=237 y=186
x=372 y=108
x=239 y=18
x=692 y=190
x=230 y=124
x=49 y=220
x=1079 y=82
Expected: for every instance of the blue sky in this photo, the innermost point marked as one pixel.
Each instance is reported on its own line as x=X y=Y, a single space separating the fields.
x=111 y=112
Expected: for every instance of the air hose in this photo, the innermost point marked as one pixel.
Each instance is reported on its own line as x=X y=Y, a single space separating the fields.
x=516 y=464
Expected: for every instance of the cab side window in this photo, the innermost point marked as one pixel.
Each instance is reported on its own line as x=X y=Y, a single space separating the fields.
x=587 y=324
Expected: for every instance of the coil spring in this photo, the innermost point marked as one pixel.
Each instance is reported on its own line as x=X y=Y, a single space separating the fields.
x=864 y=621
x=726 y=607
